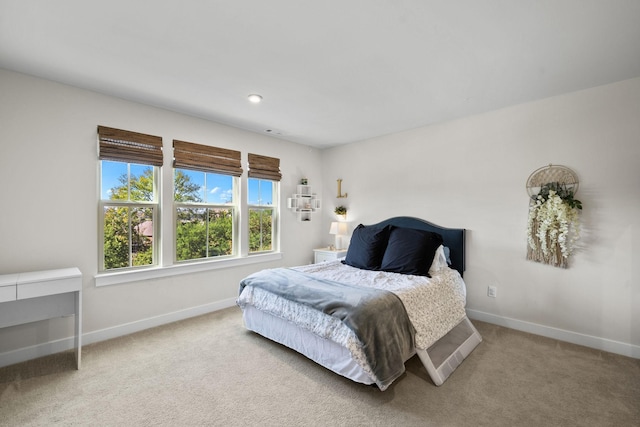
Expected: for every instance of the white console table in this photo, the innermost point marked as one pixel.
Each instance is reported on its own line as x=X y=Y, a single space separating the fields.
x=41 y=295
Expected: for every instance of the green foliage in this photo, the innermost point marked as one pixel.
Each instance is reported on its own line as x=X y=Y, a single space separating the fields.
x=116 y=238
x=134 y=188
x=260 y=229
x=184 y=189
x=220 y=232
x=123 y=234
x=203 y=233
x=340 y=210
x=190 y=235
x=125 y=244
x=143 y=257
x=562 y=191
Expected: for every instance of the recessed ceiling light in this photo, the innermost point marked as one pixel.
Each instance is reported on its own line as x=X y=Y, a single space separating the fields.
x=255 y=98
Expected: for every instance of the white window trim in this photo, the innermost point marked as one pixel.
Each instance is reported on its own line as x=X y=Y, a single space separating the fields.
x=119 y=277
x=156 y=204
x=275 y=239
x=169 y=267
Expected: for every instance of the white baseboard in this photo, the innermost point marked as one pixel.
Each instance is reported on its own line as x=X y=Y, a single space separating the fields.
x=51 y=347
x=57 y=346
x=35 y=351
x=611 y=346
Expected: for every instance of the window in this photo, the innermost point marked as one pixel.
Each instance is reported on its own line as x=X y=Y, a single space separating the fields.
x=129 y=164
x=204 y=212
x=205 y=201
x=264 y=177
x=201 y=211
x=261 y=214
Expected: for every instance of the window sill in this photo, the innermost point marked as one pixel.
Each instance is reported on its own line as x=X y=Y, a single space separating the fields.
x=115 y=278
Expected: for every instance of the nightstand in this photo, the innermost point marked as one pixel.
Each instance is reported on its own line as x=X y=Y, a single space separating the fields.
x=326 y=254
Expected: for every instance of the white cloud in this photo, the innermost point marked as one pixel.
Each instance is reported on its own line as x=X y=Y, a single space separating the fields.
x=226 y=196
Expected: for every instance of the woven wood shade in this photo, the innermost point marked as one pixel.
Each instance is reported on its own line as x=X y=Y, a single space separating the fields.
x=188 y=155
x=131 y=147
x=264 y=167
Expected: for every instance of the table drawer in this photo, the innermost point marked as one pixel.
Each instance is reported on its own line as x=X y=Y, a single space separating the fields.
x=8 y=293
x=8 y=283
x=321 y=257
x=42 y=283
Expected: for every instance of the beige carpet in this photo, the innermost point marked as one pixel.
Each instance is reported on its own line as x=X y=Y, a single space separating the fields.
x=210 y=371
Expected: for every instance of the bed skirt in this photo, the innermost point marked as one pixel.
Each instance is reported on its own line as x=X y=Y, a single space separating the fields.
x=440 y=360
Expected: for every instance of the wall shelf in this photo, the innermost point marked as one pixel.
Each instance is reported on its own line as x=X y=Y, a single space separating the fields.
x=304 y=203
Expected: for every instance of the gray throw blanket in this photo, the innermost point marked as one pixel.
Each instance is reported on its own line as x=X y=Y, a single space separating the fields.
x=377 y=317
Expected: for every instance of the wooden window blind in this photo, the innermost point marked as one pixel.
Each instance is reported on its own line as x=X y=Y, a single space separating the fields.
x=188 y=155
x=131 y=147
x=264 y=167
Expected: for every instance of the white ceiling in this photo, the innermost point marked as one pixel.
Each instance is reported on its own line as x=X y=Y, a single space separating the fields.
x=330 y=71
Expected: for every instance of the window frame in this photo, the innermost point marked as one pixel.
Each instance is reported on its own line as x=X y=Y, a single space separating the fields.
x=236 y=219
x=164 y=234
x=155 y=204
x=275 y=216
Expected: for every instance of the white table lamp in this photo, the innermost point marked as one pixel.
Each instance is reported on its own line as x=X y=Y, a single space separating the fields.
x=339 y=229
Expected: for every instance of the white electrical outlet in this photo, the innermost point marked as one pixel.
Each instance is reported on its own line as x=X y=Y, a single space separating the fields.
x=492 y=291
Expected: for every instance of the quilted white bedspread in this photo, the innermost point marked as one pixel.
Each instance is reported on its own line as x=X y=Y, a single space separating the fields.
x=434 y=305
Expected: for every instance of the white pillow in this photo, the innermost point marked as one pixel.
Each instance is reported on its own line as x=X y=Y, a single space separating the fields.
x=439 y=261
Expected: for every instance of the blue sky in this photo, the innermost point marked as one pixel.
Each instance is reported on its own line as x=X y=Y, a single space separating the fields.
x=214 y=188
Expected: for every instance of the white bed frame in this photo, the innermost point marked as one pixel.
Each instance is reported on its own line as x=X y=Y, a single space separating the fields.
x=440 y=360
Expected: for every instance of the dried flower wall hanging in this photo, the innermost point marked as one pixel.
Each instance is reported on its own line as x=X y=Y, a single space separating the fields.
x=554 y=222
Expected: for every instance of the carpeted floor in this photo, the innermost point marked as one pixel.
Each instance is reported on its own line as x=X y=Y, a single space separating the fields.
x=210 y=371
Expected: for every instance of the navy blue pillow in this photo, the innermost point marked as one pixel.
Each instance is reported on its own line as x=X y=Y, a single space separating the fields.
x=410 y=251
x=367 y=247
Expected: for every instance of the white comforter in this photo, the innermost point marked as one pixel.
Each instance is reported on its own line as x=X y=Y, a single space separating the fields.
x=434 y=305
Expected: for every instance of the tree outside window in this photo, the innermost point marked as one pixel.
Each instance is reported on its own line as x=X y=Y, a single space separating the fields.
x=204 y=212
x=129 y=206
x=206 y=207
x=261 y=214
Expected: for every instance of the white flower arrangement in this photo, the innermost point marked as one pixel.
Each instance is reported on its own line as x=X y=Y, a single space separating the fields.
x=553 y=226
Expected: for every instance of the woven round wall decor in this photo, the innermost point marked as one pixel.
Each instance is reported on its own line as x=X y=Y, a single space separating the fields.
x=552 y=173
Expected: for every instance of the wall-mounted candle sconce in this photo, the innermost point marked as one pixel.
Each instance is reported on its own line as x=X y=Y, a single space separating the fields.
x=340 y=195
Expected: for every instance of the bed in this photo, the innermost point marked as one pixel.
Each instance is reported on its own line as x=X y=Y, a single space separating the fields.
x=398 y=292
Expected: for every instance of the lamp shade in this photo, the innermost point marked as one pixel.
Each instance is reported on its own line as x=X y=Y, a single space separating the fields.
x=338 y=228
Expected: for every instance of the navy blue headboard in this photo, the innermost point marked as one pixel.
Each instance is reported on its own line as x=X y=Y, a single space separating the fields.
x=453 y=237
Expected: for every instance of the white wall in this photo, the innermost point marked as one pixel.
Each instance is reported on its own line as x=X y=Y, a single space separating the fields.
x=467 y=173
x=49 y=197
x=471 y=173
